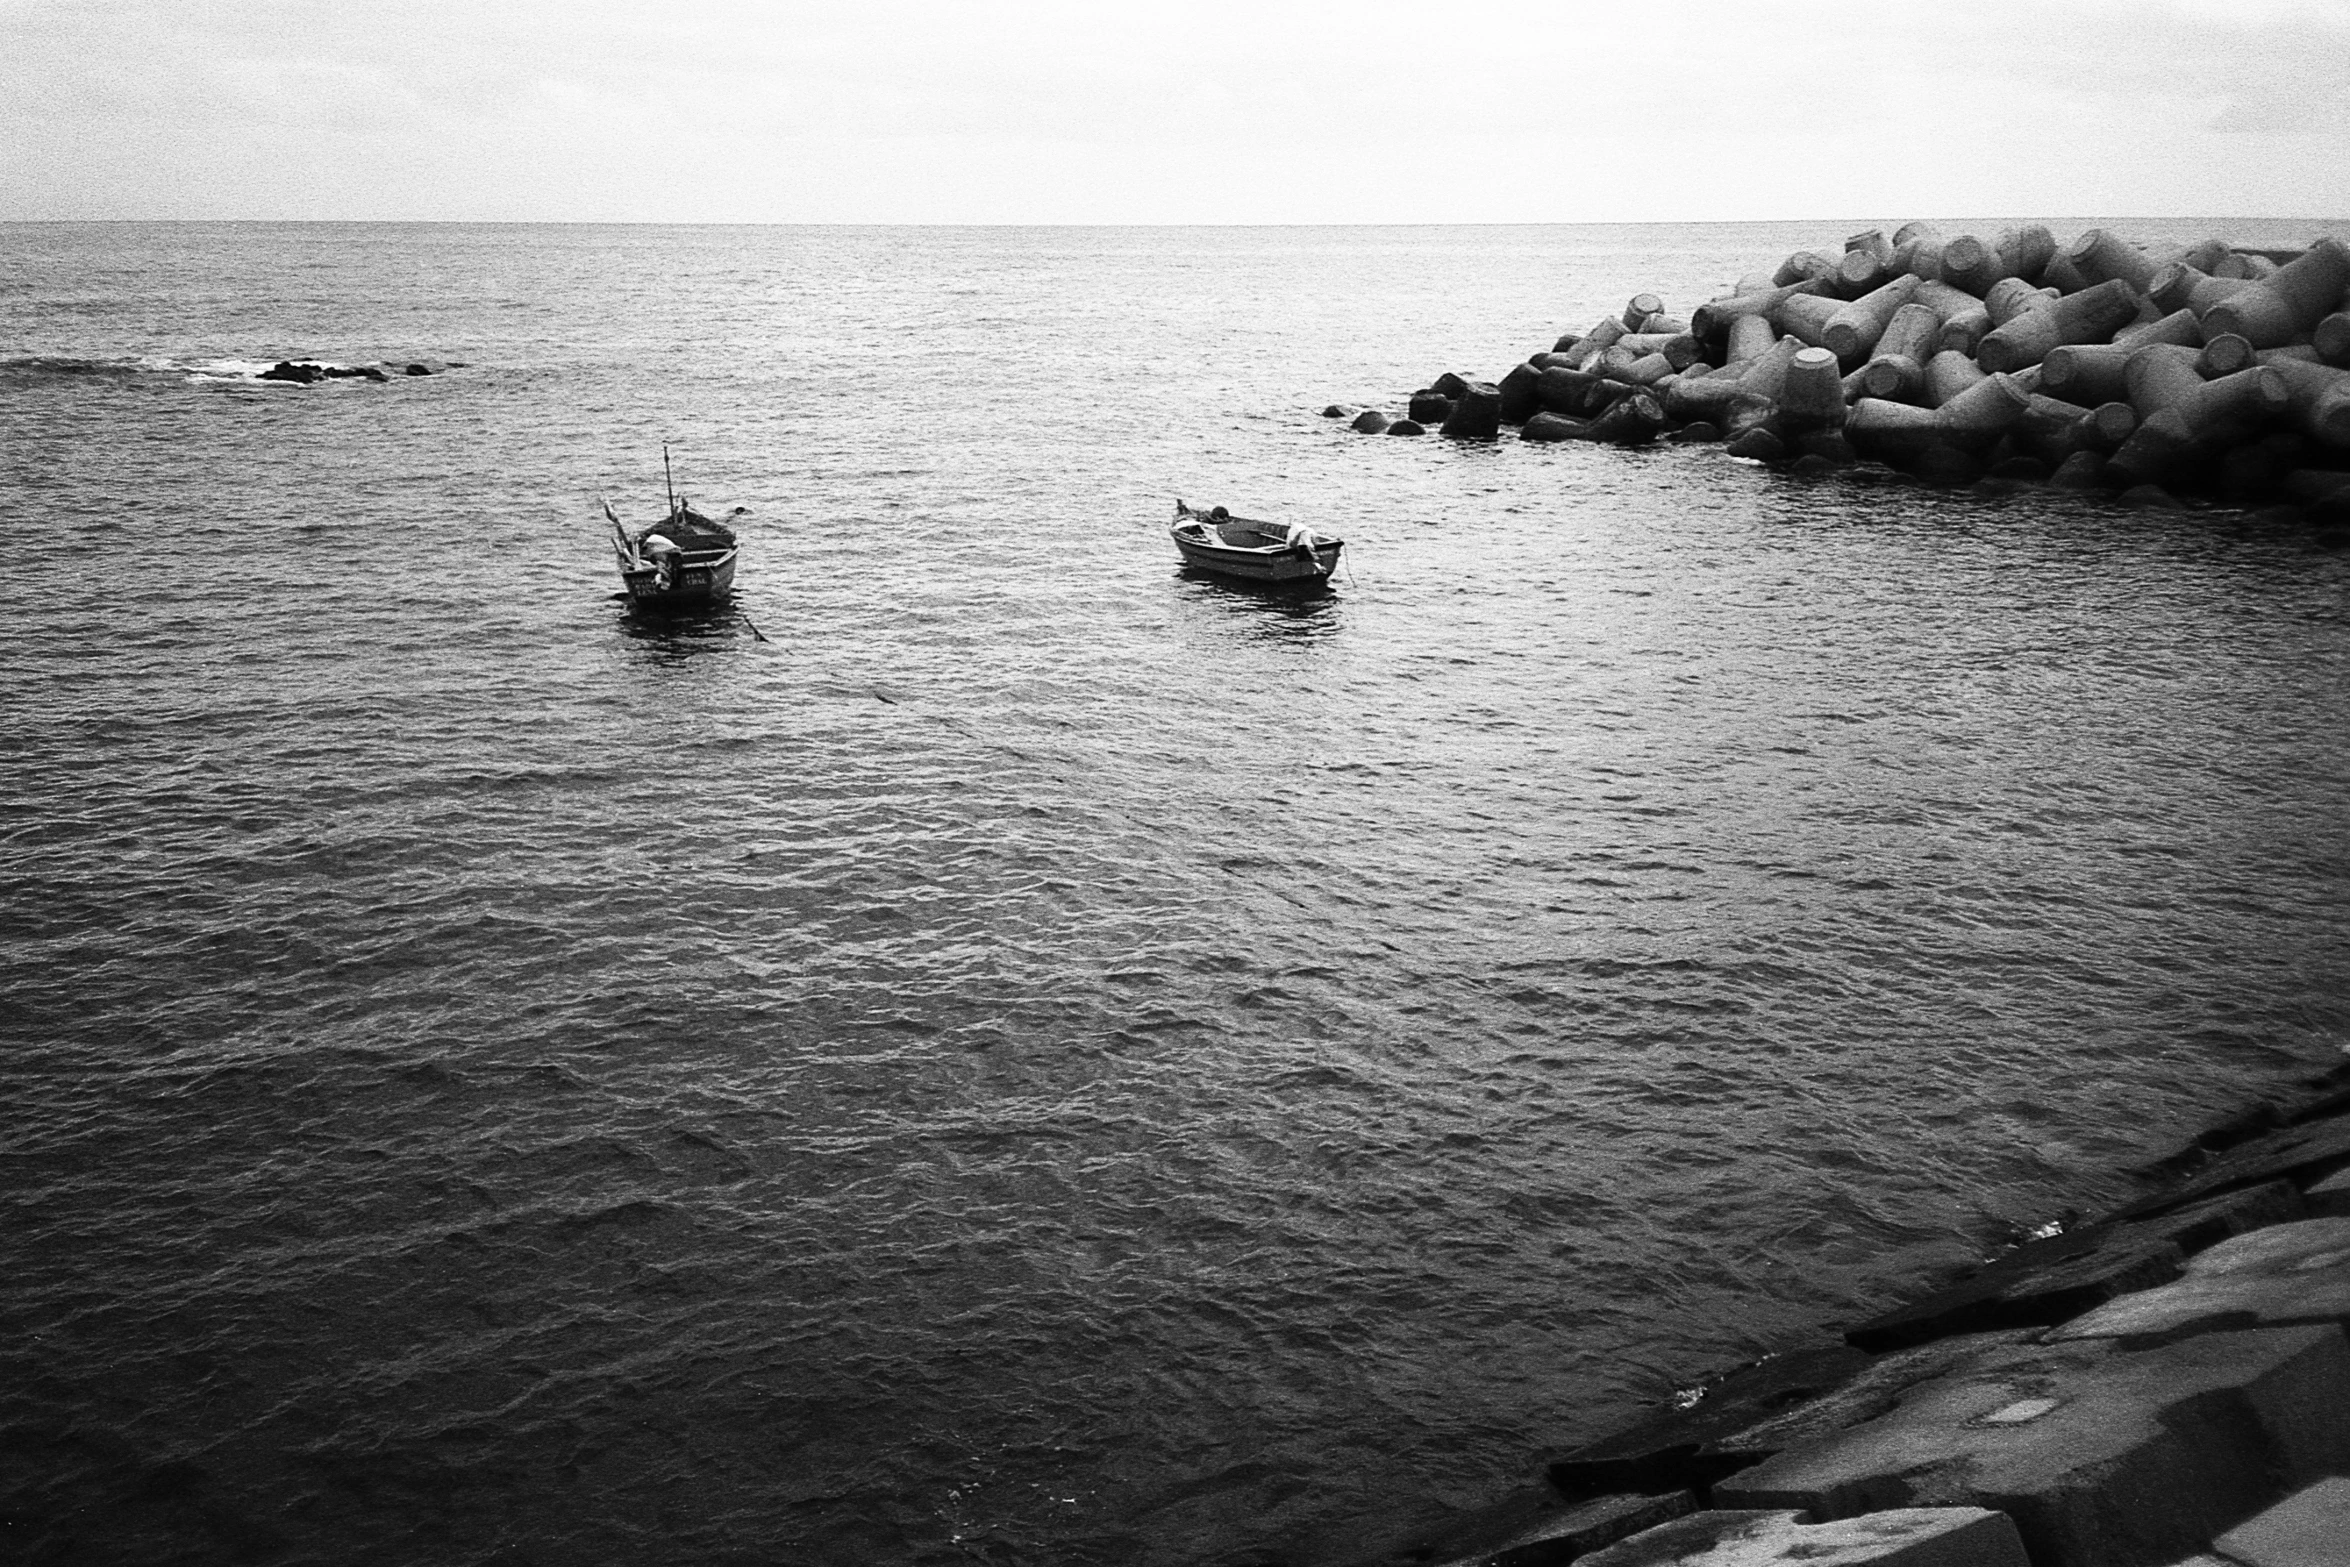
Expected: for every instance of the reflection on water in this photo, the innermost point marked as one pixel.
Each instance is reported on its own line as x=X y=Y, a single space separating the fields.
x=1305 y=610
x=675 y=635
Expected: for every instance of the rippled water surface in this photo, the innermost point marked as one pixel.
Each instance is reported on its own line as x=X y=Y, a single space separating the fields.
x=1043 y=1059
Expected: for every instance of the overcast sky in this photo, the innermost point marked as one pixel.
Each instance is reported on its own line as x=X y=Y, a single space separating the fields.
x=1022 y=111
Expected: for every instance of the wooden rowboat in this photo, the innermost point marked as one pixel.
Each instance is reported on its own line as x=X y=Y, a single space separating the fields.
x=1212 y=539
x=684 y=561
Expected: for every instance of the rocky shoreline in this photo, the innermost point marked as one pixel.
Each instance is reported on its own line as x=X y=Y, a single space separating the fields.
x=2208 y=373
x=2167 y=1385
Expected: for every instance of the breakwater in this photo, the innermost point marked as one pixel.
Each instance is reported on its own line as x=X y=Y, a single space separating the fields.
x=2166 y=1384
x=2209 y=371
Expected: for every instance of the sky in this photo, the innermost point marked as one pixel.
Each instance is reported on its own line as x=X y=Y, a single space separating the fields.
x=1202 y=111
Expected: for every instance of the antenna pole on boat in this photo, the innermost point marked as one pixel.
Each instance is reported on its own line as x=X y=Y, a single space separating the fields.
x=668 y=483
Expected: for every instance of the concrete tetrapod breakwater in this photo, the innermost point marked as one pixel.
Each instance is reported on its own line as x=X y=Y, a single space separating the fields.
x=2205 y=372
x=2166 y=1386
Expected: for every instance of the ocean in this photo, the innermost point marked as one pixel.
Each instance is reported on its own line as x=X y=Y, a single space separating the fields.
x=1004 y=1051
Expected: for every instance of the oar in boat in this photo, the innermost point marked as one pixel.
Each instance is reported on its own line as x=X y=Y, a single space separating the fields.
x=620 y=534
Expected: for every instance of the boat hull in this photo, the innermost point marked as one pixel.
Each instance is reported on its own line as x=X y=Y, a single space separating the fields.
x=1259 y=565
x=696 y=585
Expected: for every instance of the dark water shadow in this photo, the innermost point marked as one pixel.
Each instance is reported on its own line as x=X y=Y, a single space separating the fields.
x=1305 y=610
x=678 y=635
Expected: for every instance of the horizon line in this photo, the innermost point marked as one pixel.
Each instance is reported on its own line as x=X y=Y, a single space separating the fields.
x=1195 y=223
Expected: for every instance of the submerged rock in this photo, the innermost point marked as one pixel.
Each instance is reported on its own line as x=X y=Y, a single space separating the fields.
x=1370 y=421
x=1476 y=412
x=2080 y=471
x=1829 y=446
x=1552 y=427
x=1948 y=466
x=1629 y=421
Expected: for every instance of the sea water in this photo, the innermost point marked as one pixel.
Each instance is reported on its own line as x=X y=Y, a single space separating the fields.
x=1001 y=1050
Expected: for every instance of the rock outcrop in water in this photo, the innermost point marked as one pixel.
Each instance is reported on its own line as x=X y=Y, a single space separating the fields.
x=2205 y=371
x=308 y=372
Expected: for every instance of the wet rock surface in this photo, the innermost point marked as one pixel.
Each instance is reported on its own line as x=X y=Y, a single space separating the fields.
x=1910 y=1537
x=2167 y=1385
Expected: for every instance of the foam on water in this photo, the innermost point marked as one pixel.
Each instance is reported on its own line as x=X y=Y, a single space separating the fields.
x=1047 y=1059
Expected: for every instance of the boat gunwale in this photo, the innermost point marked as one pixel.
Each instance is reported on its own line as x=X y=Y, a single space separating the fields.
x=1209 y=539
x=1267 y=553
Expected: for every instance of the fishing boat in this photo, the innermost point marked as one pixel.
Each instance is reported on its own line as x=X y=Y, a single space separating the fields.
x=1214 y=540
x=684 y=561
